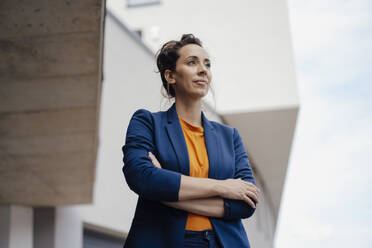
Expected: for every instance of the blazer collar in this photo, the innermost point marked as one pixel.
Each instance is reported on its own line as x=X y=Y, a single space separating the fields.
x=178 y=141
x=173 y=117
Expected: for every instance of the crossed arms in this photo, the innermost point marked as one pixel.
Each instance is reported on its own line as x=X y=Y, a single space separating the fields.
x=204 y=196
x=228 y=199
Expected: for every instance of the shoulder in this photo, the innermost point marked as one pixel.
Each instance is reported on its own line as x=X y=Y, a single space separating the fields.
x=225 y=130
x=144 y=114
x=148 y=112
x=222 y=128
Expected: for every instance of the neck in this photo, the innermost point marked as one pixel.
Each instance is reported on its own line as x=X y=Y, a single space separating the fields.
x=189 y=110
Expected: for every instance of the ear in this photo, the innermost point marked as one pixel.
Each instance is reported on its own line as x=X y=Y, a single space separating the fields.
x=169 y=76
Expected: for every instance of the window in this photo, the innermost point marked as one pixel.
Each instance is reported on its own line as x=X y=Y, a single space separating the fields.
x=134 y=3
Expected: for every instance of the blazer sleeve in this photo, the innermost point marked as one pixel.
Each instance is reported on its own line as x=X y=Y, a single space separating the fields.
x=239 y=209
x=141 y=175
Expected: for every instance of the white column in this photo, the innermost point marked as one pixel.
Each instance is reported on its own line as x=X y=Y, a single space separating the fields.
x=21 y=227
x=69 y=228
x=16 y=226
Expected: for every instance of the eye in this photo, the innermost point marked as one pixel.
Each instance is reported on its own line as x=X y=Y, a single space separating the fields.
x=208 y=65
x=191 y=62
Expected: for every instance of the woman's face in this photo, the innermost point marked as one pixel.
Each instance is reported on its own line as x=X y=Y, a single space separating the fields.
x=192 y=76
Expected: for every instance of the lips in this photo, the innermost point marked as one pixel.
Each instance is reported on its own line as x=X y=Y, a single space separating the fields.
x=200 y=81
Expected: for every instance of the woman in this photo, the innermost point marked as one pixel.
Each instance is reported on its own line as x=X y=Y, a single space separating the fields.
x=192 y=175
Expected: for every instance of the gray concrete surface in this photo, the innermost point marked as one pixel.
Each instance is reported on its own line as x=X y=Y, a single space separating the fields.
x=50 y=86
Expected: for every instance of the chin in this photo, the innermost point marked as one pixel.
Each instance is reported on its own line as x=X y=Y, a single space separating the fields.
x=201 y=94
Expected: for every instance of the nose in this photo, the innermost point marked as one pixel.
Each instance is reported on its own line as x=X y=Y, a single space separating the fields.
x=202 y=68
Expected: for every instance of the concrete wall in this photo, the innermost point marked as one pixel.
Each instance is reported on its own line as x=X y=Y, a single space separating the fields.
x=50 y=81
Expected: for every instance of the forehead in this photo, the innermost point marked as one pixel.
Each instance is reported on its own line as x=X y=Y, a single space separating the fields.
x=192 y=50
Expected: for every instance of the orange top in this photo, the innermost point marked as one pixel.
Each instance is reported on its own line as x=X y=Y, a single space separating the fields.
x=199 y=166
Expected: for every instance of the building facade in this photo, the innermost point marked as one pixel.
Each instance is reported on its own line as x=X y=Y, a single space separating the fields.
x=255 y=91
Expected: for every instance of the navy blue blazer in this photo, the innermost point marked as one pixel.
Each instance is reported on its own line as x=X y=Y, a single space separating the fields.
x=156 y=225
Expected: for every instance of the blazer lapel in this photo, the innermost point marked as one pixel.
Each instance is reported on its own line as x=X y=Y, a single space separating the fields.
x=177 y=139
x=212 y=144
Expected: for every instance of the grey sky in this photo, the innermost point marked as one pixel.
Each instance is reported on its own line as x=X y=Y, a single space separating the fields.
x=327 y=198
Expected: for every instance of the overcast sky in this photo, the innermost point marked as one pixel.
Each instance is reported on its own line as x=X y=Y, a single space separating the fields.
x=327 y=200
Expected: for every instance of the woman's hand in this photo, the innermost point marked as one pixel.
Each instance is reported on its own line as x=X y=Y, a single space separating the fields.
x=154 y=161
x=238 y=189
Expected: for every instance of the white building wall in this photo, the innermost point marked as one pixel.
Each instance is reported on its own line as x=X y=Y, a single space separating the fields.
x=130 y=82
x=252 y=62
x=252 y=66
x=249 y=43
x=260 y=227
x=68 y=228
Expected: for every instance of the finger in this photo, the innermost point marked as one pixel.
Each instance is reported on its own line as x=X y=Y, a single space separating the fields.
x=253 y=195
x=154 y=160
x=251 y=192
x=157 y=163
x=250 y=186
x=249 y=201
x=253 y=187
x=151 y=157
x=255 y=190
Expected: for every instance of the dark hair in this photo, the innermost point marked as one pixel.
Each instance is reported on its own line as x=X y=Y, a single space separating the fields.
x=167 y=57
